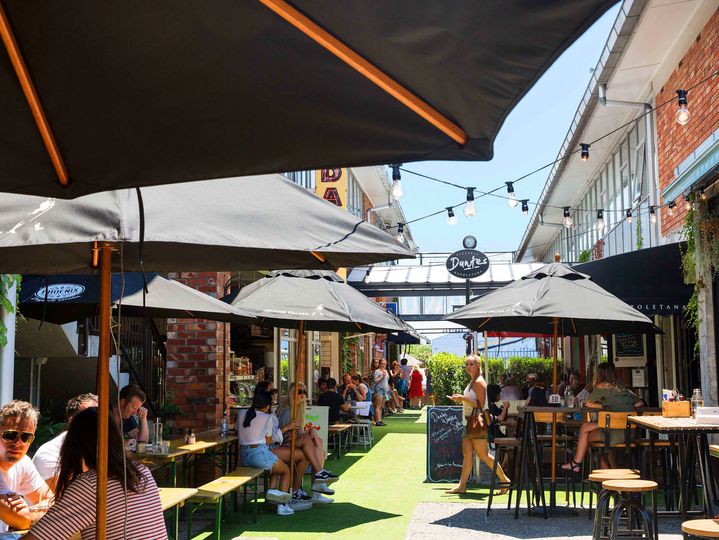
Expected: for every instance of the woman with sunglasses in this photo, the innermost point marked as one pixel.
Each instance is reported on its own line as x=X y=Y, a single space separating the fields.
x=133 y=500
x=309 y=442
x=473 y=402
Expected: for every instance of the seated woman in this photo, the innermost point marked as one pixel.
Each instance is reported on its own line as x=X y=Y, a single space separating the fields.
x=497 y=409
x=607 y=395
x=537 y=394
x=254 y=428
x=74 y=508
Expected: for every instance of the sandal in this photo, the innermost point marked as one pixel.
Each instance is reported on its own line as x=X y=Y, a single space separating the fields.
x=572 y=467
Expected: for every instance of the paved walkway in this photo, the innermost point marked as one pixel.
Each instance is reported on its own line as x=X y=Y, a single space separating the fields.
x=467 y=521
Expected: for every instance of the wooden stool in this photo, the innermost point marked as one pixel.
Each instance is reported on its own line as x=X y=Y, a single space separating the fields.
x=502 y=446
x=631 y=503
x=601 y=515
x=704 y=528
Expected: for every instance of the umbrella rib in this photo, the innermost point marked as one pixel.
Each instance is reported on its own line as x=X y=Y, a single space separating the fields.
x=323 y=38
x=32 y=99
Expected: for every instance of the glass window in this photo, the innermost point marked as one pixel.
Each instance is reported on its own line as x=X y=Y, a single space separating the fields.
x=454 y=302
x=288 y=355
x=409 y=305
x=433 y=305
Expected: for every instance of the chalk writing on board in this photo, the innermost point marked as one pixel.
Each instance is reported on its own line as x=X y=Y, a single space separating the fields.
x=444 y=444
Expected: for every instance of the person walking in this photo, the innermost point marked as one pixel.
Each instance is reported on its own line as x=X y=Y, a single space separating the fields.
x=474 y=436
x=382 y=391
x=416 y=393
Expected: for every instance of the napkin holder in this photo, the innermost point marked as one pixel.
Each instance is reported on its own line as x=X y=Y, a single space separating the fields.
x=676 y=409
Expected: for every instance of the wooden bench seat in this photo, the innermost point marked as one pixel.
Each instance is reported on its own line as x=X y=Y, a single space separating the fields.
x=214 y=492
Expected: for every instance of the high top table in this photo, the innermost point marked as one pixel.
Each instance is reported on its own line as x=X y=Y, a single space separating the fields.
x=692 y=448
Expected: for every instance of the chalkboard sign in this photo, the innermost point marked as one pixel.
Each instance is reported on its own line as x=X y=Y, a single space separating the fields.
x=444 y=444
x=629 y=350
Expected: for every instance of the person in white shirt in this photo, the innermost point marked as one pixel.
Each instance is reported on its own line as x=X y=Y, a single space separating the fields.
x=20 y=483
x=254 y=430
x=47 y=457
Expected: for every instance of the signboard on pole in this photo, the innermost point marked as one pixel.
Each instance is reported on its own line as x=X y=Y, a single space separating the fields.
x=467 y=263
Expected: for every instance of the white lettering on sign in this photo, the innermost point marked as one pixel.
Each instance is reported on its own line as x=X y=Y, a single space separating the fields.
x=473 y=263
x=59 y=292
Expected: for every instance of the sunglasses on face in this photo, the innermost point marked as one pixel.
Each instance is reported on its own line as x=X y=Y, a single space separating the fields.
x=470 y=364
x=12 y=436
x=302 y=392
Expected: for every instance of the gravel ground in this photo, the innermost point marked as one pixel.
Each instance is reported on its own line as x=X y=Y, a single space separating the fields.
x=433 y=520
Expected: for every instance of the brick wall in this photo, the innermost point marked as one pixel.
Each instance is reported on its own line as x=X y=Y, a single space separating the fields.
x=675 y=142
x=195 y=355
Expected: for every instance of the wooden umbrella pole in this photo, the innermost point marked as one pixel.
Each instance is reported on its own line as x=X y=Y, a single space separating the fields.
x=103 y=389
x=299 y=370
x=554 y=415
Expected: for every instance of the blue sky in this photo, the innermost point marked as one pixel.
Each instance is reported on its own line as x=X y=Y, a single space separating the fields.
x=530 y=138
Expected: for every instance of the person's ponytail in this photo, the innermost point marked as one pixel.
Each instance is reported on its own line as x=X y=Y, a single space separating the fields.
x=249 y=417
x=260 y=400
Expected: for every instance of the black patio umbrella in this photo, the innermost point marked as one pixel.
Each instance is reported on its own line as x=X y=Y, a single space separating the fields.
x=61 y=298
x=123 y=94
x=311 y=300
x=317 y=300
x=261 y=222
x=553 y=300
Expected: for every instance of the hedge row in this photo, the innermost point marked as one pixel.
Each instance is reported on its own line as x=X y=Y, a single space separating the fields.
x=450 y=377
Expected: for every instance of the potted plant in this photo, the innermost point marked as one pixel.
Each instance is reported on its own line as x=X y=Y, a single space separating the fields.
x=169 y=411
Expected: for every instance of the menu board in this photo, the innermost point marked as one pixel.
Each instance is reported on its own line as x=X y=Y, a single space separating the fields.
x=444 y=444
x=629 y=350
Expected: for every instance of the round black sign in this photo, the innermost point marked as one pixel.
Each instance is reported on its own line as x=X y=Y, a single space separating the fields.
x=467 y=263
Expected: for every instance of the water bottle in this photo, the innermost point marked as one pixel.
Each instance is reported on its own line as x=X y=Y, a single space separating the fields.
x=157 y=435
x=223 y=426
x=568 y=397
x=697 y=401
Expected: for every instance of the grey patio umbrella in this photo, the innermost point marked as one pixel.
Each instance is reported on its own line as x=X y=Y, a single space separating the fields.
x=553 y=300
x=252 y=223
x=61 y=298
x=311 y=300
x=554 y=295
x=259 y=222
x=129 y=93
x=318 y=299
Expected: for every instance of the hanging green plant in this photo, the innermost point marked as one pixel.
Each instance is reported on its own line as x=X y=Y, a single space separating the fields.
x=6 y=283
x=585 y=256
x=640 y=236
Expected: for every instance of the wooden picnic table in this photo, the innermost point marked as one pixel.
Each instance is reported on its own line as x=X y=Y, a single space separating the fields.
x=173 y=499
x=692 y=448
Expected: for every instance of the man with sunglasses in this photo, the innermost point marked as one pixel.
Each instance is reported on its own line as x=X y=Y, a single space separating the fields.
x=20 y=483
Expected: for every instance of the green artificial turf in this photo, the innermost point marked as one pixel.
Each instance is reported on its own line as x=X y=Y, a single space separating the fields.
x=375 y=496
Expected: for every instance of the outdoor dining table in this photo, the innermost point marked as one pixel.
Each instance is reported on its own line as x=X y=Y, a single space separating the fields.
x=173 y=499
x=692 y=448
x=335 y=431
x=158 y=461
x=531 y=461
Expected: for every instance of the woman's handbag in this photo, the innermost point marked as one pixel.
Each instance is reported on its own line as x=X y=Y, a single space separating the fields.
x=476 y=425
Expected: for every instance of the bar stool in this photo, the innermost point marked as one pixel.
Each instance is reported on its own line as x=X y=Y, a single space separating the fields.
x=505 y=446
x=601 y=515
x=630 y=492
x=703 y=528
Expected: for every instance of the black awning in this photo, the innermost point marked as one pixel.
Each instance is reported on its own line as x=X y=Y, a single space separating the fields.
x=650 y=280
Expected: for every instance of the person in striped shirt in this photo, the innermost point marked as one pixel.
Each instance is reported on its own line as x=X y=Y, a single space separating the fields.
x=133 y=513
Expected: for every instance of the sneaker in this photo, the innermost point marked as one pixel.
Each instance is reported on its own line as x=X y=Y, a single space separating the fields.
x=325 y=477
x=380 y=424
x=275 y=495
x=284 y=510
x=300 y=495
x=318 y=498
x=321 y=487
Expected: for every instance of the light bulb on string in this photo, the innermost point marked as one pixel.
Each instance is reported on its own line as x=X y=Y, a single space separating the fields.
x=567 y=220
x=366 y=276
x=451 y=218
x=400 y=233
x=670 y=208
x=600 y=220
x=512 y=200
x=397 y=187
x=629 y=215
x=687 y=203
x=682 y=115
x=702 y=195
x=525 y=206
x=469 y=209
x=585 y=151
x=652 y=215
x=541 y=219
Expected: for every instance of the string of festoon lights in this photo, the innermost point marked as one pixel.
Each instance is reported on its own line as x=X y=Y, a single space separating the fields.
x=507 y=191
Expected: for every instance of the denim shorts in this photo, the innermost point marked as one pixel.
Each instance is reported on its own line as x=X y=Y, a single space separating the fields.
x=260 y=457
